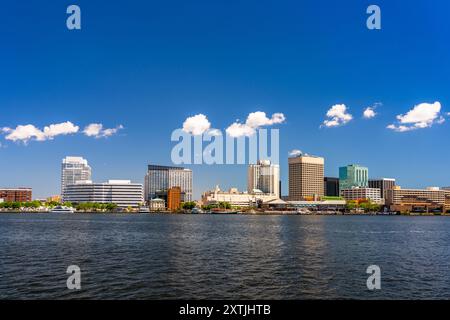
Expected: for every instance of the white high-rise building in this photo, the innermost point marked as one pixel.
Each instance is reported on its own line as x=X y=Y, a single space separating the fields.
x=73 y=170
x=264 y=176
x=121 y=192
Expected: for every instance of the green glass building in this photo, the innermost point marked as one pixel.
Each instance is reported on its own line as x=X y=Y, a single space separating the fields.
x=353 y=176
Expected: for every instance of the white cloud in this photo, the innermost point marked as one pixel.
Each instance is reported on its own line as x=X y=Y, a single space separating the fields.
x=196 y=125
x=423 y=115
x=214 y=132
x=93 y=129
x=370 y=112
x=254 y=121
x=259 y=119
x=64 y=128
x=28 y=132
x=96 y=130
x=295 y=152
x=239 y=130
x=337 y=116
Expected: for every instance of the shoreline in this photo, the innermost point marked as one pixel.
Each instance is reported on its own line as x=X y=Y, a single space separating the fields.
x=267 y=213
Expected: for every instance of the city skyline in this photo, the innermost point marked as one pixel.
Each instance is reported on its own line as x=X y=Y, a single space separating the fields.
x=378 y=98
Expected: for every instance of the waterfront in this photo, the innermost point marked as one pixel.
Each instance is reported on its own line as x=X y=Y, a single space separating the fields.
x=223 y=256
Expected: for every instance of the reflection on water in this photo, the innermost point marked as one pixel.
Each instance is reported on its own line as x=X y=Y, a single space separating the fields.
x=223 y=257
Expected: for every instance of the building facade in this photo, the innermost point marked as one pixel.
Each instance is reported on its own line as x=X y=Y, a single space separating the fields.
x=157 y=204
x=353 y=176
x=174 y=198
x=73 y=170
x=264 y=176
x=306 y=177
x=121 y=192
x=383 y=184
x=236 y=198
x=372 y=194
x=418 y=200
x=16 y=194
x=331 y=187
x=159 y=179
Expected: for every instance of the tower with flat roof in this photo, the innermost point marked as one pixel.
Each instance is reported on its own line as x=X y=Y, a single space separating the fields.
x=73 y=170
x=159 y=179
x=306 y=177
x=353 y=176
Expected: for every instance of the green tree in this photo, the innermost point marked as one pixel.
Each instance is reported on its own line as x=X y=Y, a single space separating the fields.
x=188 y=205
x=351 y=205
x=111 y=206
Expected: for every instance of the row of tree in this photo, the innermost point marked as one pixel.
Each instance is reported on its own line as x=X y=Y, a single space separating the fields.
x=15 y=205
x=365 y=205
x=191 y=205
x=89 y=206
x=94 y=206
x=220 y=205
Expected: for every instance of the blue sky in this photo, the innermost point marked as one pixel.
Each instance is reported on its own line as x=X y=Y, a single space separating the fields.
x=148 y=65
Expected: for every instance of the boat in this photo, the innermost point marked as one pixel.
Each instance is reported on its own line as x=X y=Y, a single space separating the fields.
x=196 y=210
x=303 y=211
x=144 y=210
x=62 y=209
x=223 y=211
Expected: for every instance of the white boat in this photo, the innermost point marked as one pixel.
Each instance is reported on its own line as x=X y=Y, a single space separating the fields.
x=303 y=211
x=196 y=210
x=144 y=210
x=62 y=209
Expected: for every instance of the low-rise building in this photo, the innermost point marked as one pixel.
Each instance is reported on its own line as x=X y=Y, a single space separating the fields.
x=156 y=204
x=418 y=200
x=121 y=192
x=16 y=194
x=372 y=194
x=55 y=198
x=236 y=198
x=321 y=205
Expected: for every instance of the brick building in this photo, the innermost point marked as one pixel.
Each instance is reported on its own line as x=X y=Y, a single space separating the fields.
x=16 y=195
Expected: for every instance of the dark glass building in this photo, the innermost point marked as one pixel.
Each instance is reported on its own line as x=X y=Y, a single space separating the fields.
x=331 y=186
x=160 y=179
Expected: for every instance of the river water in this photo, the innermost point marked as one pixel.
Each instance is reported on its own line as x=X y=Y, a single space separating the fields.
x=223 y=256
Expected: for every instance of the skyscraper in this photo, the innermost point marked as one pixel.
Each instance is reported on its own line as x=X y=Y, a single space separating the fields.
x=383 y=184
x=264 y=176
x=331 y=186
x=159 y=179
x=73 y=170
x=353 y=176
x=306 y=177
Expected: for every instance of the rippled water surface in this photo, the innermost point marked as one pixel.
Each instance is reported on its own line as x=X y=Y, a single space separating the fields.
x=223 y=257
